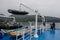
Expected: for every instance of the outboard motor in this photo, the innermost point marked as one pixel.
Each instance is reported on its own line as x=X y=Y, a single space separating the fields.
x=44 y=24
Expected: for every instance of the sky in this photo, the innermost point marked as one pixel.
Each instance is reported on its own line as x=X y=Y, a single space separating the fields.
x=44 y=7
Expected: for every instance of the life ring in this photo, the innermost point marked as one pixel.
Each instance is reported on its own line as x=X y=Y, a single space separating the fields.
x=13 y=33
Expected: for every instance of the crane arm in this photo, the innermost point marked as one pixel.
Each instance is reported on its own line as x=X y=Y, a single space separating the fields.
x=26 y=6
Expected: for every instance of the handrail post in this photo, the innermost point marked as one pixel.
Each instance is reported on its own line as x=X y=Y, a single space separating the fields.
x=36 y=35
x=16 y=35
x=30 y=31
x=23 y=34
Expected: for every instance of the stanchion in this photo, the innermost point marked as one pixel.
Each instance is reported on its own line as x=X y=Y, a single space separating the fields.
x=36 y=35
x=23 y=34
x=30 y=31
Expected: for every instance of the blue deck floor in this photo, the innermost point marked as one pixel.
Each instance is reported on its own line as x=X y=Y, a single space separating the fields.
x=47 y=35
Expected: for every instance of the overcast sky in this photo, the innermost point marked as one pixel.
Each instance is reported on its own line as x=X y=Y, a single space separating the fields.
x=45 y=7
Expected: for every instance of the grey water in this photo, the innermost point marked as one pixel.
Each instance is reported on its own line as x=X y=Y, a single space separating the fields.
x=48 y=24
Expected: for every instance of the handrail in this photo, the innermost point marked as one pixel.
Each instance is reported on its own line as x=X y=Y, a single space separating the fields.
x=30 y=33
x=26 y=36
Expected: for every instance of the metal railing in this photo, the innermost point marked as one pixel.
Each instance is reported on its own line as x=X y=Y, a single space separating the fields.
x=28 y=35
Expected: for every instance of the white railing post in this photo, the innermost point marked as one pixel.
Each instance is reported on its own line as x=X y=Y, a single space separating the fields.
x=30 y=31
x=16 y=36
x=36 y=35
x=23 y=34
x=43 y=23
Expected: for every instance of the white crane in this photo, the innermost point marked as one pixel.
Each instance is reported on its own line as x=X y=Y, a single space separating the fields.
x=36 y=35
